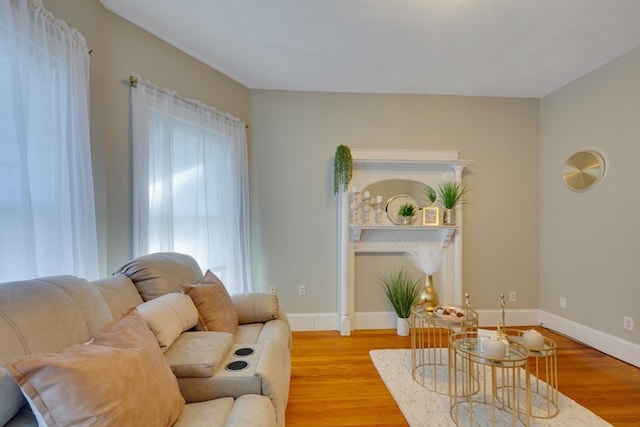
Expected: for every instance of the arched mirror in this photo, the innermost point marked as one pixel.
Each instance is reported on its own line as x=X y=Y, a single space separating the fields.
x=393 y=187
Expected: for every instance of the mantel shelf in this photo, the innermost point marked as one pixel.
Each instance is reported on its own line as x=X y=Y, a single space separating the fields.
x=447 y=231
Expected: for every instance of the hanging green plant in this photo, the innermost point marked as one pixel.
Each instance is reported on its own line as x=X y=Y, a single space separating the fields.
x=342 y=169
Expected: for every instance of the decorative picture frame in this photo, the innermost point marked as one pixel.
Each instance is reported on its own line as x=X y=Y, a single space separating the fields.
x=431 y=215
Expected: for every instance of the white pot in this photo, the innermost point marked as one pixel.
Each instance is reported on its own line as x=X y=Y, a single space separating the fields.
x=533 y=340
x=402 y=326
x=493 y=348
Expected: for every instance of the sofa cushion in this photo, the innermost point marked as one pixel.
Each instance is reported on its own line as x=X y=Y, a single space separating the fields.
x=216 y=311
x=210 y=413
x=106 y=382
x=198 y=354
x=168 y=316
x=160 y=273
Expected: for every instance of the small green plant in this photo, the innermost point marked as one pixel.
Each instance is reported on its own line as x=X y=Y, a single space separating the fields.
x=407 y=210
x=342 y=168
x=402 y=291
x=430 y=194
x=451 y=193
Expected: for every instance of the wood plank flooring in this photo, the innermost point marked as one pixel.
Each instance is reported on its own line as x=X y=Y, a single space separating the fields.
x=334 y=382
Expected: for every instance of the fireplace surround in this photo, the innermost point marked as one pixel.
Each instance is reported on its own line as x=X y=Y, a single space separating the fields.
x=376 y=233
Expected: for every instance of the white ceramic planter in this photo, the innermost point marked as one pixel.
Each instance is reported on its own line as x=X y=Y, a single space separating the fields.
x=402 y=326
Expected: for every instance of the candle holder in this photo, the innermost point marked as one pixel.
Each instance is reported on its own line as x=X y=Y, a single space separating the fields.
x=377 y=211
x=366 y=207
x=355 y=207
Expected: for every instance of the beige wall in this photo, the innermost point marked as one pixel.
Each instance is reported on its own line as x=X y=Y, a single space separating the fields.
x=122 y=49
x=294 y=210
x=590 y=241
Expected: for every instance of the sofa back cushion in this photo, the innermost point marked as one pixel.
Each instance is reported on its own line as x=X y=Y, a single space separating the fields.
x=168 y=316
x=119 y=292
x=157 y=274
x=120 y=378
x=44 y=315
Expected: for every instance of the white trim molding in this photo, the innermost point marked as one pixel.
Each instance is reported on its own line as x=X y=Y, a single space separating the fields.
x=606 y=343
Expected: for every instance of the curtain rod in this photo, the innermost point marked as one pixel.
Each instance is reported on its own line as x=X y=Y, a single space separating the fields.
x=133 y=82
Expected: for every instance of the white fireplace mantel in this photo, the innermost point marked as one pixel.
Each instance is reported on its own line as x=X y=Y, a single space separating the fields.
x=430 y=167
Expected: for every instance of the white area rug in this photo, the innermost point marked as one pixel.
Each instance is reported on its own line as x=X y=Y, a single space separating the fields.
x=422 y=407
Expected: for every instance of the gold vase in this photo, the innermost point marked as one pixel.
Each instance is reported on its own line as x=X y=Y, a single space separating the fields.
x=428 y=296
x=449 y=217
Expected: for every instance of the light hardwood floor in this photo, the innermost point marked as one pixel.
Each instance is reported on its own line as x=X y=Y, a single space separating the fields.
x=334 y=382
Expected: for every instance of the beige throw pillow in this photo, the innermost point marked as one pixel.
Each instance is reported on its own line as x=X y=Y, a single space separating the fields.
x=120 y=378
x=168 y=316
x=216 y=311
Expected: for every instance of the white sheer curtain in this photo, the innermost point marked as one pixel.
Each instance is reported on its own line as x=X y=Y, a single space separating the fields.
x=190 y=178
x=47 y=210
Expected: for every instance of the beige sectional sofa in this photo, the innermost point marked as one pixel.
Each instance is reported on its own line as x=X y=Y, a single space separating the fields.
x=151 y=345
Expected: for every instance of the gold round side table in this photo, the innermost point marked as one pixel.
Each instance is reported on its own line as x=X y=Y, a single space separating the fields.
x=502 y=398
x=429 y=345
x=544 y=368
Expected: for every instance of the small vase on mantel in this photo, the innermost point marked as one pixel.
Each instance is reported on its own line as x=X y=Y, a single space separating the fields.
x=449 y=217
x=428 y=296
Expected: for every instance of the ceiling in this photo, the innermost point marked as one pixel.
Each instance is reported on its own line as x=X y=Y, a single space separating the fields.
x=511 y=48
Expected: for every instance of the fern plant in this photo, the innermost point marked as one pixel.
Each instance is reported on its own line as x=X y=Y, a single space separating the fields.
x=402 y=291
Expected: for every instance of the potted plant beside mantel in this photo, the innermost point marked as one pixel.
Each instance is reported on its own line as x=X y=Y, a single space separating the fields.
x=402 y=291
x=450 y=194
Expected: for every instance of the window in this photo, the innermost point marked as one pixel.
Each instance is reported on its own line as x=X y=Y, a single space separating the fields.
x=47 y=211
x=190 y=183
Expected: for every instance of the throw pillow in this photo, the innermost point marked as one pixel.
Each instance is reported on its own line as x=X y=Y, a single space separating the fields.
x=216 y=311
x=168 y=316
x=120 y=378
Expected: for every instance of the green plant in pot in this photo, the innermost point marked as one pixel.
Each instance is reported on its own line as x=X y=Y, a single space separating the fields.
x=450 y=194
x=407 y=211
x=342 y=168
x=402 y=291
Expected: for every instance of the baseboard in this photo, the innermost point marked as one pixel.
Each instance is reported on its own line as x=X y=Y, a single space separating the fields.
x=314 y=321
x=606 y=343
x=487 y=318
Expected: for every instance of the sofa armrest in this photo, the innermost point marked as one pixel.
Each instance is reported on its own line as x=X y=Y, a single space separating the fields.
x=254 y=307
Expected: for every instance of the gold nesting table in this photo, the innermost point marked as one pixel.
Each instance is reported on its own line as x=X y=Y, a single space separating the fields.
x=544 y=368
x=429 y=342
x=495 y=390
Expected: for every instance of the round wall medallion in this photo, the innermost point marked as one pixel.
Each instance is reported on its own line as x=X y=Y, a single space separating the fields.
x=583 y=170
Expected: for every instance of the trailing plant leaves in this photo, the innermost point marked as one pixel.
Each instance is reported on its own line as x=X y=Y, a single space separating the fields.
x=342 y=169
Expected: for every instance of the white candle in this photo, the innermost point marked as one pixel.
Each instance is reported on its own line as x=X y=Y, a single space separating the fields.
x=378 y=199
x=366 y=195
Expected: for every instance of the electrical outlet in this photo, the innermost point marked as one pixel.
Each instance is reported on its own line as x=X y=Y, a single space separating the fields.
x=628 y=323
x=302 y=290
x=273 y=290
x=563 y=302
x=512 y=296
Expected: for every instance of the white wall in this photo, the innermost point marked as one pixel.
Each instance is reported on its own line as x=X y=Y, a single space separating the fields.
x=295 y=135
x=590 y=241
